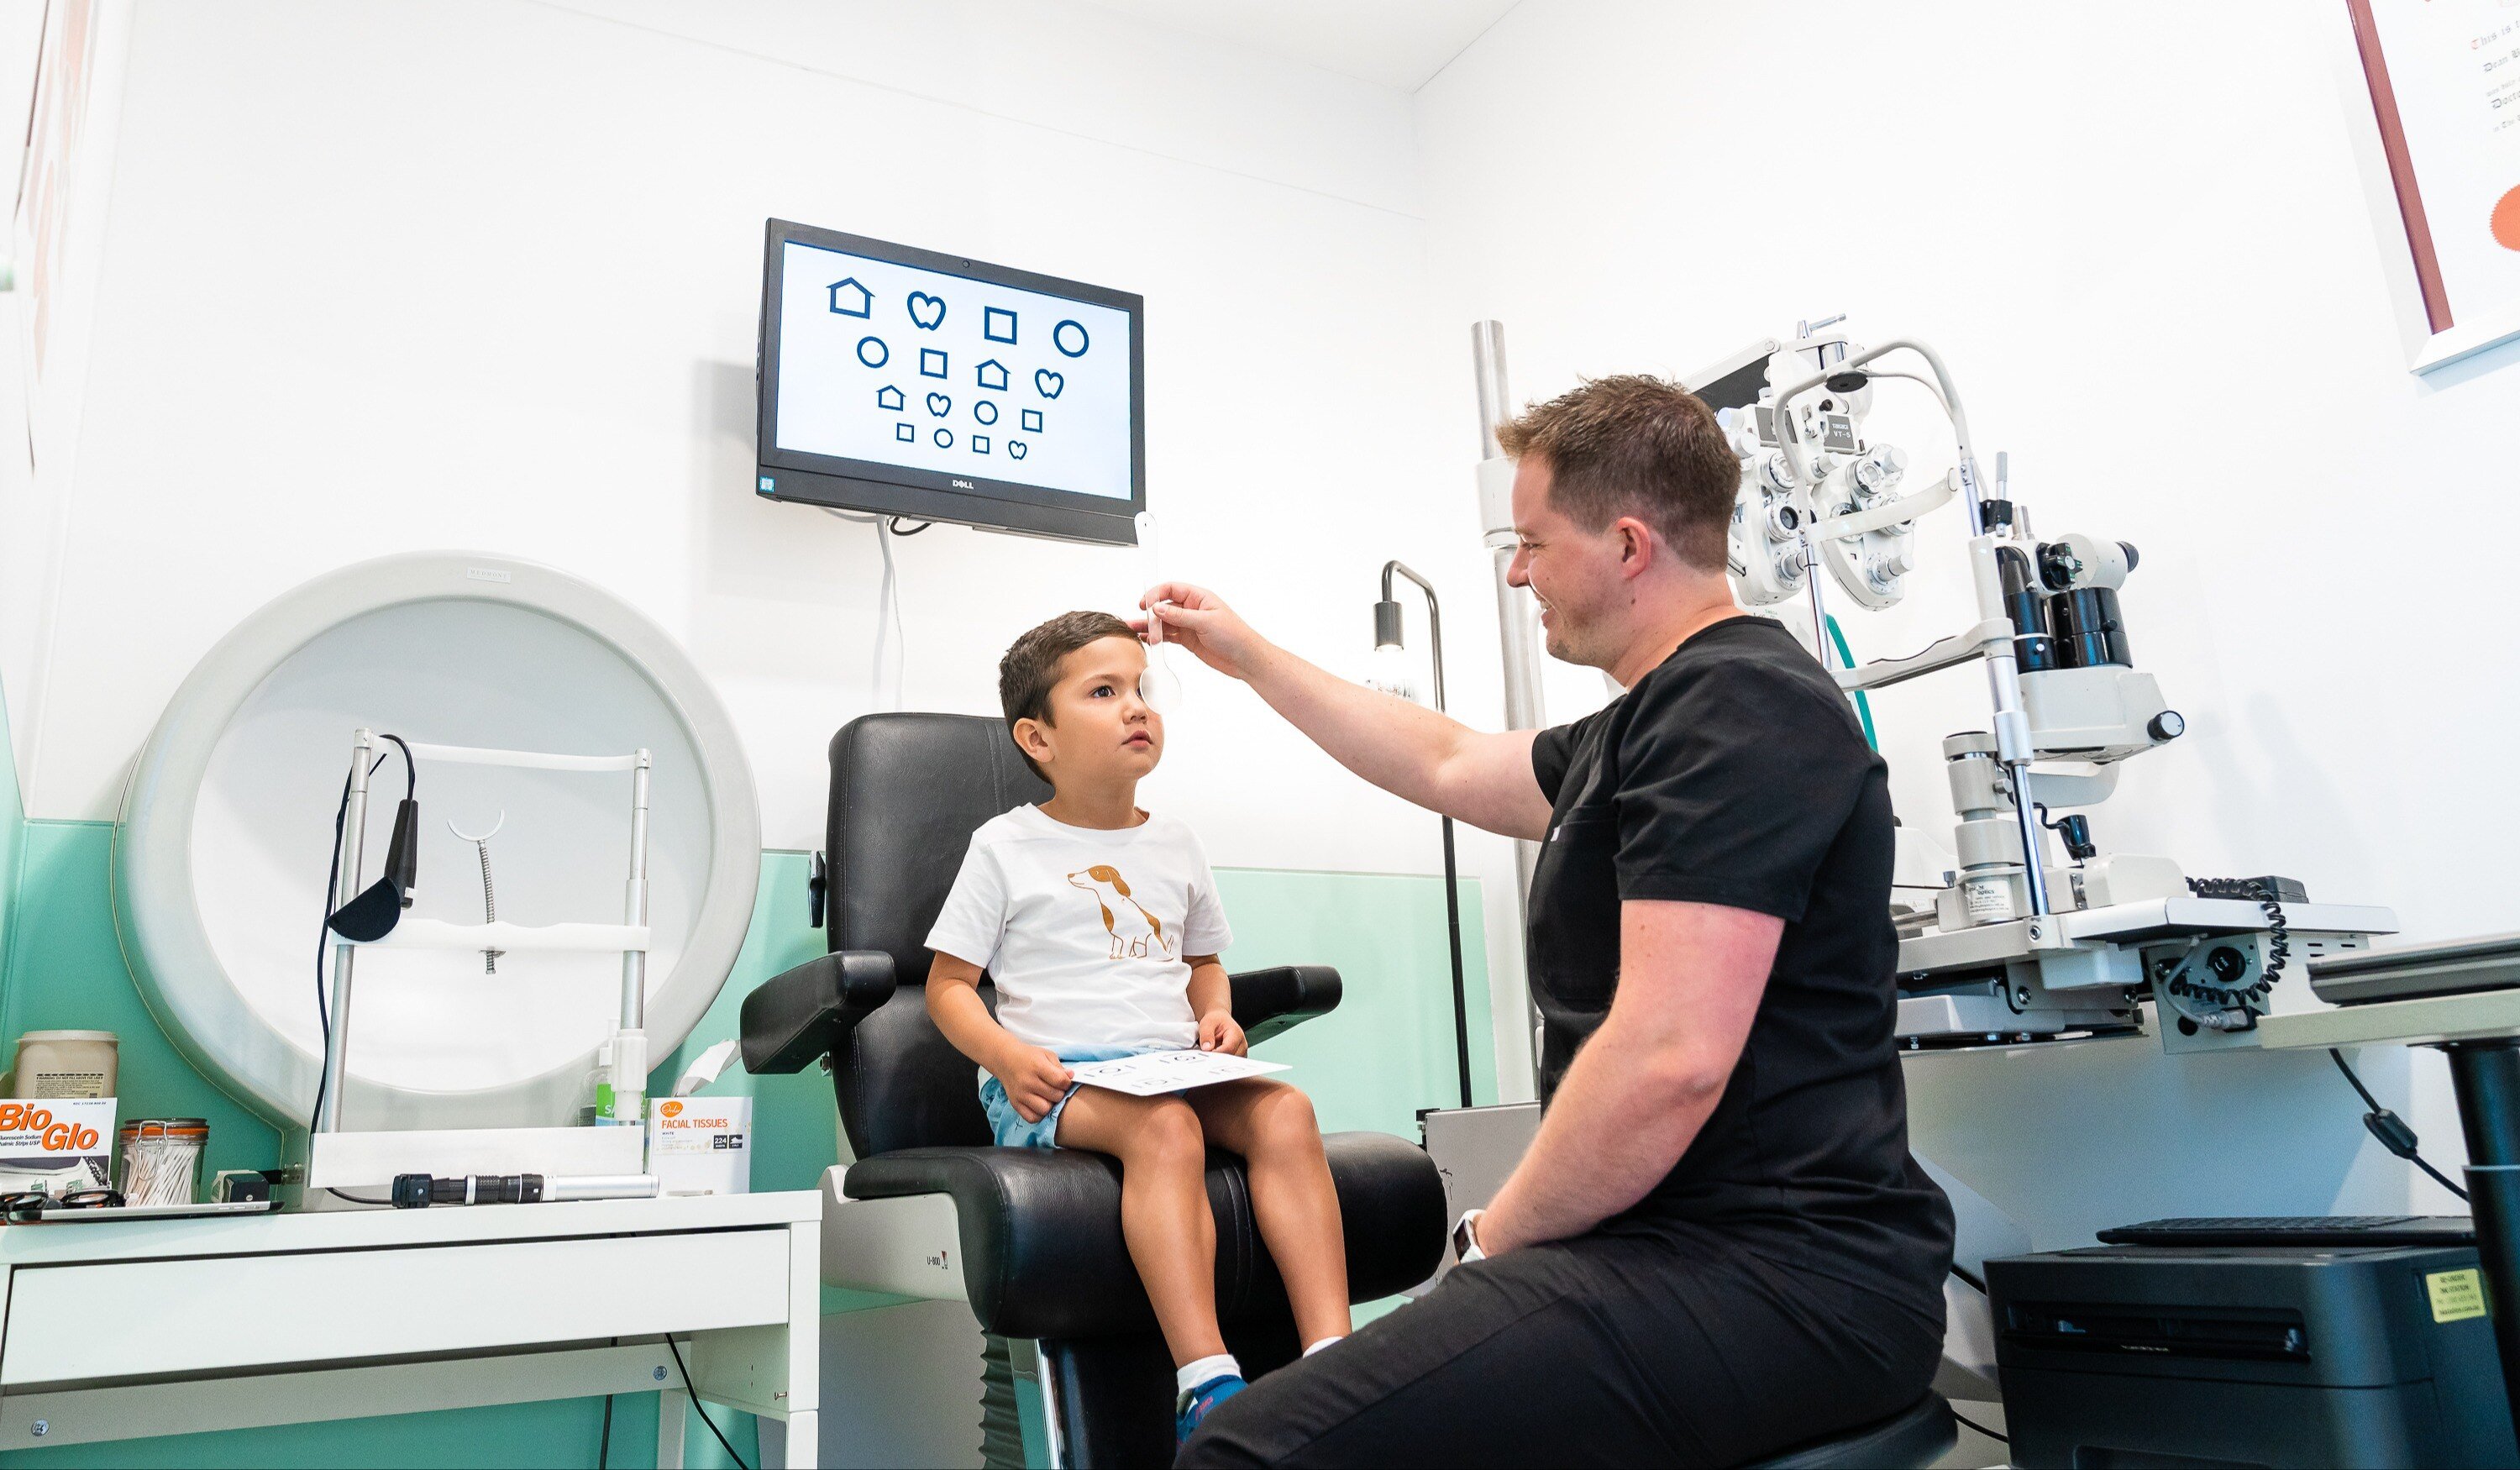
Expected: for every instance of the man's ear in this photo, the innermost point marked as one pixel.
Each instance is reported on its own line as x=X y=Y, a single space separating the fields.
x=1032 y=737
x=1635 y=546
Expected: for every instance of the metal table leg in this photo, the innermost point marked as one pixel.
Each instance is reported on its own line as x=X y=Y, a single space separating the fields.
x=2485 y=1077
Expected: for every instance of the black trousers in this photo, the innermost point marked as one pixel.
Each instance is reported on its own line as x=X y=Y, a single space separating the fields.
x=1651 y=1347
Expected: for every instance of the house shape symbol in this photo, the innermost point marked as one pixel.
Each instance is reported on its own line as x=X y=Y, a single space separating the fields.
x=993 y=375
x=850 y=300
x=887 y=397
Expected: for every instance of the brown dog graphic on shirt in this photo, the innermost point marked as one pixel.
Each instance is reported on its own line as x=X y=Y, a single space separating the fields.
x=1136 y=934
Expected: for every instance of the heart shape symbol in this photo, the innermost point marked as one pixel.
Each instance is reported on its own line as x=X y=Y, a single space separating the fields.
x=1017 y=448
x=927 y=312
x=939 y=405
x=1048 y=383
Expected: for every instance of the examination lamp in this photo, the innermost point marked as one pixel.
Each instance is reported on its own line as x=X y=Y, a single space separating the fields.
x=1390 y=674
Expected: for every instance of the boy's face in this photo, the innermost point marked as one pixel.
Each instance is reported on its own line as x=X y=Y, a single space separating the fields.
x=1099 y=731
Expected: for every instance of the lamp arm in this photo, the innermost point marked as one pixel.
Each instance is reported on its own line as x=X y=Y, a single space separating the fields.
x=1434 y=618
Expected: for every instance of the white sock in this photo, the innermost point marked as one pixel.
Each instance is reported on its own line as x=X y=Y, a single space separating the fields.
x=1192 y=1375
x=1311 y=1347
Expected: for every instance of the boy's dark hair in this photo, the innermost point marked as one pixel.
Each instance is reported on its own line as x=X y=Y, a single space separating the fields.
x=1031 y=666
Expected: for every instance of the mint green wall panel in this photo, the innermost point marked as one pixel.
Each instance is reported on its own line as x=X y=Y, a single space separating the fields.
x=1388 y=1050
x=1385 y=1053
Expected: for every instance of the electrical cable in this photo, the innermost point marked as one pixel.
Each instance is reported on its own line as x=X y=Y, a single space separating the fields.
x=2389 y=1129
x=356 y=1199
x=1971 y=1281
x=895 y=524
x=702 y=1408
x=887 y=602
x=1981 y=1429
x=603 y=1445
x=1863 y=706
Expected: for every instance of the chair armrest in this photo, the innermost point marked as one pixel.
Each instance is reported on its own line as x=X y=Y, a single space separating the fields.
x=793 y=1019
x=1268 y=1002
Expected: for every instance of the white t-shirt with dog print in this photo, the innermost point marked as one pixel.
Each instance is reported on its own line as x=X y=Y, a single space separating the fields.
x=1084 y=930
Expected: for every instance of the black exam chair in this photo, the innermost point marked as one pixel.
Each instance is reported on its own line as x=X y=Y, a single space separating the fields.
x=1031 y=1238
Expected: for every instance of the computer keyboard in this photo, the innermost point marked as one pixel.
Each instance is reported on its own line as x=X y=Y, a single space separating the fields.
x=2298 y=1229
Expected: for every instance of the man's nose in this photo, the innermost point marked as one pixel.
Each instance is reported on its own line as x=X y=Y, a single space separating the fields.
x=1517 y=572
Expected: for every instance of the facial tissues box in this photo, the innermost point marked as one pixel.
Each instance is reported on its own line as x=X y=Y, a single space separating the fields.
x=56 y=1144
x=700 y=1145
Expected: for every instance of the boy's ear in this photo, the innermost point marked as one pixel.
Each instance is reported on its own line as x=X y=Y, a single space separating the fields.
x=1032 y=737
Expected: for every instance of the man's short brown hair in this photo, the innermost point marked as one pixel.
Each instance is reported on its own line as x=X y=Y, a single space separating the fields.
x=1635 y=445
x=1027 y=675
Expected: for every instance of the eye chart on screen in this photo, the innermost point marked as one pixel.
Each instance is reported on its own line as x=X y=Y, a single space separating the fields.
x=929 y=371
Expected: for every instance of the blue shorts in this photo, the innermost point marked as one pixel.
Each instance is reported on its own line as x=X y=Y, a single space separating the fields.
x=1008 y=1126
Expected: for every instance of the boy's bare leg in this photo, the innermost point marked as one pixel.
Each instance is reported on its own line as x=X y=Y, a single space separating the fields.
x=1163 y=1206
x=1272 y=1126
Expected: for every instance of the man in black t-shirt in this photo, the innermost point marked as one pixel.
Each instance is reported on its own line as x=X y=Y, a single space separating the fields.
x=1717 y=1246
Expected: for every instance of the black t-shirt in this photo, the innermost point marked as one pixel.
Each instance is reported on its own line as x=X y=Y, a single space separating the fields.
x=1735 y=774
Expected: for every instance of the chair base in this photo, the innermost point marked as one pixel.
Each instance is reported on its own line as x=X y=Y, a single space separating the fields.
x=1909 y=1439
x=1109 y=1400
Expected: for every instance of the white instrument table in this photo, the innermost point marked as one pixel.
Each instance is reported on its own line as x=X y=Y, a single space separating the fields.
x=117 y=1330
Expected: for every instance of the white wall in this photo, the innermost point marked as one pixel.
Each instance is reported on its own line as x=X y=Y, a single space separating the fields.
x=2139 y=235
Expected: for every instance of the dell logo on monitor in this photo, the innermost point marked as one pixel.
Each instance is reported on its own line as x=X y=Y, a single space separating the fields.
x=964 y=485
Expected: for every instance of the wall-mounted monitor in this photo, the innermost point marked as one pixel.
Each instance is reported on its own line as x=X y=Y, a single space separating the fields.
x=903 y=381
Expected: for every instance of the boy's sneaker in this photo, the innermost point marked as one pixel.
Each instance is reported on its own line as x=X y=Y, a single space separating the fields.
x=1195 y=1404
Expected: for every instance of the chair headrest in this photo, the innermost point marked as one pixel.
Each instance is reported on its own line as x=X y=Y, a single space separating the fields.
x=907 y=792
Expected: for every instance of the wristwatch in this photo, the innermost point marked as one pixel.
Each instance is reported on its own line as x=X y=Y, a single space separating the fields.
x=1465 y=1238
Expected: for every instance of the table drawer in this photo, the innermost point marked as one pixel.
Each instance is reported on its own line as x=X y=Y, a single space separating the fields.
x=71 y=1323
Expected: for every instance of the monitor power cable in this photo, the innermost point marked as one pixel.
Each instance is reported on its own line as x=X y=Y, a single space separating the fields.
x=2389 y=1129
x=1980 y=1428
x=888 y=625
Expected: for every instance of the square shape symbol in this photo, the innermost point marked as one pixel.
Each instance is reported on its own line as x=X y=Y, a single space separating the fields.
x=1032 y=420
x=979 y=444
x=997 y=324
x=931 y=363
x=906 y=433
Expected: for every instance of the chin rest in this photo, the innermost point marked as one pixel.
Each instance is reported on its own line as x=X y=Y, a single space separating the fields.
x=1030 y=1238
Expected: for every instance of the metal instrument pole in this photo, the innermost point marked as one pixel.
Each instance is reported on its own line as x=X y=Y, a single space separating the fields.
x=634 y=963
x=1514 y=631
x=346 y=886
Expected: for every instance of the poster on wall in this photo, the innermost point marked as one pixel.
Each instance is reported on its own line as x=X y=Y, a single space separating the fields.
x=2444 y=78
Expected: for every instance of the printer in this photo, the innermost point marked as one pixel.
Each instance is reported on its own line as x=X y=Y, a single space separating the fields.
x=2124 y=1355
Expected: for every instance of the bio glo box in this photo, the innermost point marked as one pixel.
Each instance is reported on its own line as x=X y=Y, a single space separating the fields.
x=57 y=1143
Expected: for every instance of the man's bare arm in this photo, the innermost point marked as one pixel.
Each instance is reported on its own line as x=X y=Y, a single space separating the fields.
x=1691 y=976
x=1407 y=749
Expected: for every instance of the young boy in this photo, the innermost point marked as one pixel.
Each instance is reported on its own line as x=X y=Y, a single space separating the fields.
x=1100 y=924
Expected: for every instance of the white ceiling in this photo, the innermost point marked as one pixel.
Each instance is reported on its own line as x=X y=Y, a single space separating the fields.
x=1396 y=43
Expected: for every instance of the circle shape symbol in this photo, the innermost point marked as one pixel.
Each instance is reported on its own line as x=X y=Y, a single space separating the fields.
x=1067 y=332
x=985 y=411
x=872 y=352
x=944 y=438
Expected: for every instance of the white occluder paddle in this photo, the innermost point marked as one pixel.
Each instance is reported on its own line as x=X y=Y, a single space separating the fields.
x=1158 y=685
